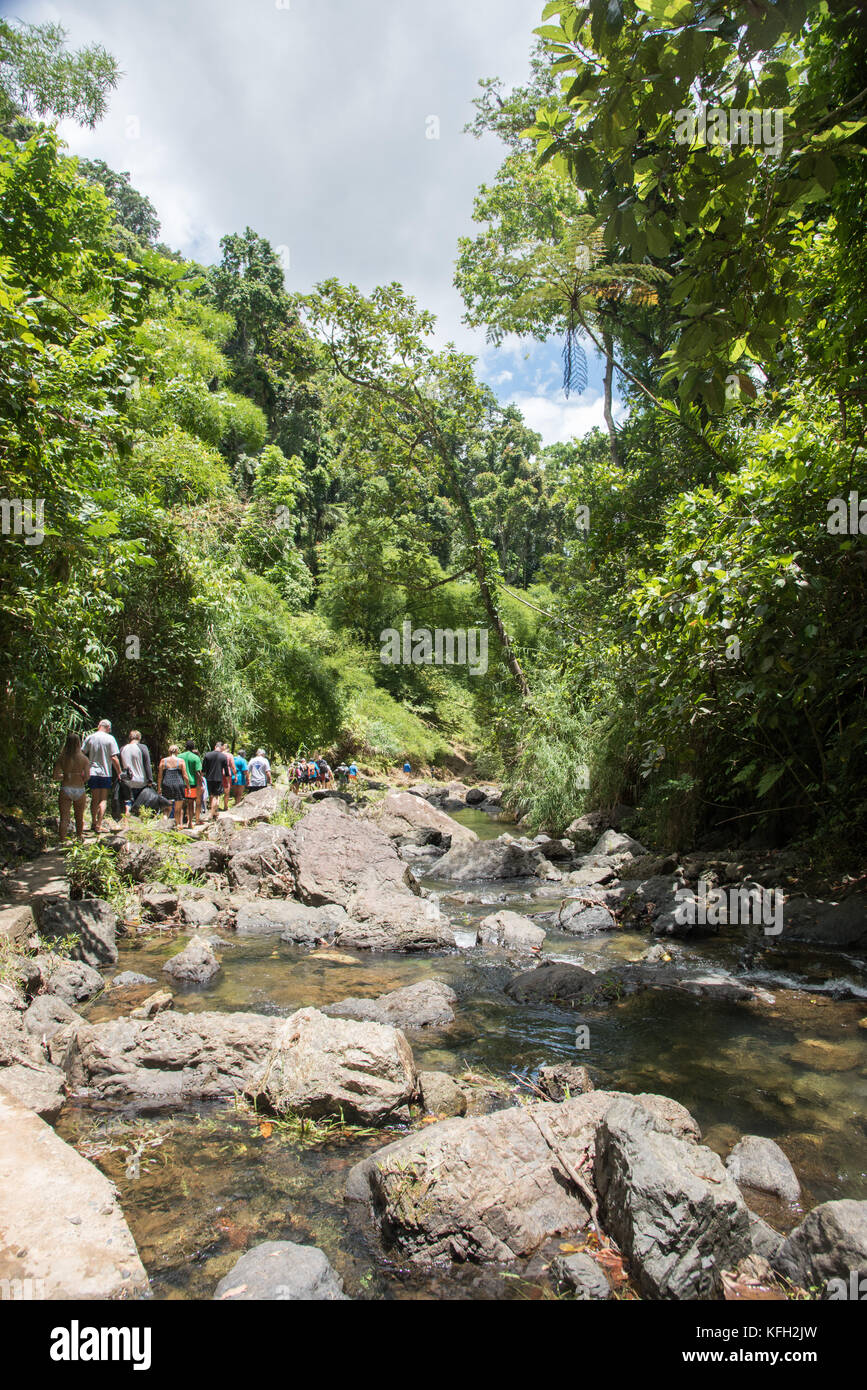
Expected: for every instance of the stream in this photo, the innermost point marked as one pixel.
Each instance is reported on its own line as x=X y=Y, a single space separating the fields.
x=200 y=1187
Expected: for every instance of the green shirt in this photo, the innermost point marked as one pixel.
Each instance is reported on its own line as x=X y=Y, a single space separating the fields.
x=194 y=766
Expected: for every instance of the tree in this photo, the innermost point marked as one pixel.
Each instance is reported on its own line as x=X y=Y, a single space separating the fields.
x=40 y=77
x=134 y=211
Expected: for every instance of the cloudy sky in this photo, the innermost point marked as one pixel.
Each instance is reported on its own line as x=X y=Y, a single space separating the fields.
x=310 y=121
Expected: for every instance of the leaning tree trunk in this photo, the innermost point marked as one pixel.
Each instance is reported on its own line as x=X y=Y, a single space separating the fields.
x=614 y=442
x=481 y=573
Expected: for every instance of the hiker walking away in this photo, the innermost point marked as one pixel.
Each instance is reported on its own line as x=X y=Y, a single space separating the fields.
x=213 y=765
x=172 y=782
x=228 y=773
x=239 y=781
x=193 y=794
x=342 y=774
x=102 y=750
x=72 y=770
x=259 y=771
x=136 y=772
x=407 y=767
x=325 y=773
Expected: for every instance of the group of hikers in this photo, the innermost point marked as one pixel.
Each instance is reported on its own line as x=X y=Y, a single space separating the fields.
x=189 y=786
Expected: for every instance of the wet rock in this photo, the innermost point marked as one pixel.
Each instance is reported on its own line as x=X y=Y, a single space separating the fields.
x=292 y=921
x=195 y=964
x=571 y=986
x=158 y=901
x=428 y=1004
x=441 y=1094
x=130 y=977
x=821 y=1055
x=76 y=1245
x=582 y=1276
x=321 y=1066
x=491 y=1187
x=669 y=1204
x=47 y=1014
x=72 y=980
x=830 y=1243
x=564 y=1080
x=716 y=987
x=489 y=859
x=512 y=930
x=92 y=920
x=826 y=923
x=154 y=1004
x=280 y=1271
x=761 y=1164
x=405 y=818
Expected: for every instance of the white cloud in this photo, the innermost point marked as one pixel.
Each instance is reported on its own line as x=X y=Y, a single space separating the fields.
x=559 y=421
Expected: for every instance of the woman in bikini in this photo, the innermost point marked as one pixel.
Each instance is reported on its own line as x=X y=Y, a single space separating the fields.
x=72 y=770
x=173 y=781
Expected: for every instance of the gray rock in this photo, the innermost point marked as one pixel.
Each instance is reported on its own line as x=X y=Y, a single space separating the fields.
x=581 y=1275
x=564 y=1080
x=158 y=901
x=405 y=818
x=61 y=1214
x=587 y=915
x=337 y=857
x=280 y=1271
x=195 y=964
x=830 y=1243
x=669 y=1204
x=93 y=921
x=766 y=1241
x=618 y=848
x=761 y=1164
x=491 y=1187
x=257 y=855
x=130 y=977
x=24 y=1070
x=292 y=921
x=139 y=861
x=441 y=1095
x=263 y=803
x=489 y=859
x=322 y=1065
x=47 y=1014
x=206 y=857
x=512 y=930
x=198 y=912
x=72 y=980
x=393 y=919
x=826 y=923
x=571 y=986
x=428 y=1004
x=17 y=924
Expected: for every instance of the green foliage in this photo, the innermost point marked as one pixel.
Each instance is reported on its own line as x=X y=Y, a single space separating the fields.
x=40 y=77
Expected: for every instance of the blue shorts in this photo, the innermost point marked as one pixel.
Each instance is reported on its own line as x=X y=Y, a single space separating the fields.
x=99 y=784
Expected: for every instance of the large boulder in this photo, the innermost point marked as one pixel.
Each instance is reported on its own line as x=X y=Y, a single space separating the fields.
x=290 y=920
x=159 y=901
x=206 y=857
x=16 y=924
x=257 y=854
x=761 y=1164
x=830 y=1243
x=320 y=1066
x=619 y=849
x=826 y=923
x=24 y=1071
x=336 y=857
x=72 y=980
x=393 y=919
x=262 y=804
x=512 y=930
x=490 y=859
x=428 y=1004
x=589 y=914
x=492 y=1187
x=46 y=1015
x=62 y=1225
x=409 y=819
x=280 y=1271
x=196 y=964
x=139 y=861
x=670 y=1205
x=91 y=920
x=571 y=986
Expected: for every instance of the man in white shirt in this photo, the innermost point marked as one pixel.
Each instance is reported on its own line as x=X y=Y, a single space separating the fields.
x=259 y=771
x=101 y=750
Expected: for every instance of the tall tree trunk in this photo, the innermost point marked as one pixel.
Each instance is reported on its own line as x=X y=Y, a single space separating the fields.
x=480 y=571
x=614 y=442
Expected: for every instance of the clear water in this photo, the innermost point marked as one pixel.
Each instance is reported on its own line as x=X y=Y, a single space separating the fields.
x=207 y=1184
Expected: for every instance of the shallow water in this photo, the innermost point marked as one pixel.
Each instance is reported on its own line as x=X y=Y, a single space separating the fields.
x=209 y=1185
